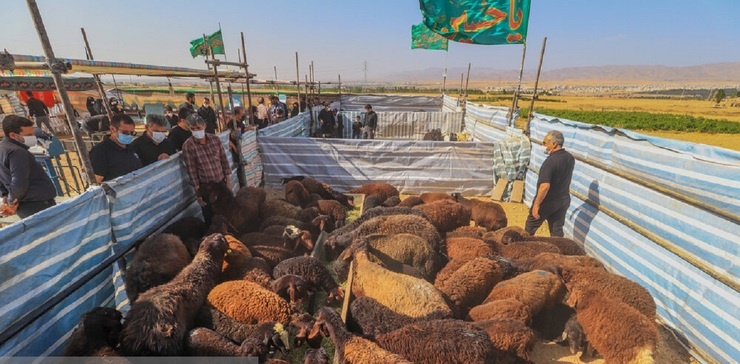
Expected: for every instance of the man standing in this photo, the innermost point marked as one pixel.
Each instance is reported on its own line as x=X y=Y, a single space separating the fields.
x=262 y=113
x=189 y=102
x=209 y=115
x=112 y=158
x=153 y=145
x=180 y=133
x=326 y=121
x=38 y=110
x=371 y=121
x=171 y=116
x=25 y=187
x=339 y=124
x=553 y=197
x=205 y=160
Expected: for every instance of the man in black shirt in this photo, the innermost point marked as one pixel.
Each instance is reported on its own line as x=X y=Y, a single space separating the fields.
x=112 y=157
x=180 y=133
x=38 y=110
x=189 y=102
x=171 y=117
x=209 y=115
x=25 y=187
x=553 y=187
x=153 y=145
x=371 y=122
x=326 y=121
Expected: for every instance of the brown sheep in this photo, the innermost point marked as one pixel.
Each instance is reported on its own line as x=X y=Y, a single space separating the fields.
x=97 y=333
x=538 y=290
x=496 y=235
x=510 y=336
x=235 y=258
x=392 y=201
x=241 y=210
x=158 y=321
x=612 y=285
x=445 y=215
x=527 y=250
x=383 y=191
x=205 y=342
x=332 y=208
x=411 y=201
x=272 y=254
x=544 y=260
x=316 y=356
x=250 y=200
x=467 y=231
x=619 y=332
x=253 y=269
x=469 y=285
x=325 y=191
x=458 y=247
x=278 y=207
x=393 y=224
x=312 y=271
x=350 y=349
x=451 y=267
x=273 y=332
x=441 y=341
x=157 y=261
x=373 y=318
x=249 y=303
x=566 y=246
x=508 y=308
x=296 y=194
x=429 y=197
x=485 y=213
x=291 y=287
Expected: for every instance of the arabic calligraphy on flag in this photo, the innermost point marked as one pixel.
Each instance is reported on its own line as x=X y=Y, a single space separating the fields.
x=478 y=21
x=215 y=41
x=423 y=37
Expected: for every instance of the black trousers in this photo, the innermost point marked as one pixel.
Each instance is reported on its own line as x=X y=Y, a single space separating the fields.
x=28 y=208
x=555 y=222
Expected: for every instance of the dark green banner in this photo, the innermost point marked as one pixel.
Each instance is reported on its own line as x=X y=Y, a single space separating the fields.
x=478 y=21
x=423 y=37
x=199 y=47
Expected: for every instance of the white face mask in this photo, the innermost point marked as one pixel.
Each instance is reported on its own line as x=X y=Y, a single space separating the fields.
x=199 y=134
x=30 y=140
x=158 y=136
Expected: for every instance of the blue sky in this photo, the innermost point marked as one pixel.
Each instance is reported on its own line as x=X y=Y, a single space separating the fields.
x=338 y=35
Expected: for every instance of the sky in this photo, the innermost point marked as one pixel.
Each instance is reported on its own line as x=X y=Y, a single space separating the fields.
x=340 y=35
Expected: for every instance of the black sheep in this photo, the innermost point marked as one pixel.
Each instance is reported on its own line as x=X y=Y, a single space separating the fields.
x=206 y=342
x=157 y=261
x=242 y=210
x=369 y=317
x=271 y=332
x=158 y=321
x=188 y=229
x=296 y=194
x=392 y=201
x=312 y=271
x=322 y=189
x=574 y=337
x=291 y=287
x=97 y=333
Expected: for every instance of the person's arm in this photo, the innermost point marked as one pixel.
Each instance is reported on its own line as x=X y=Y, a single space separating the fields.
x=99 y=163
x=20 y=172
x=46 y=109
x=542 y=191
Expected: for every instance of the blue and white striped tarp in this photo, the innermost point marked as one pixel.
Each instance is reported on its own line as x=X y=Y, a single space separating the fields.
x=46 y=254
x=407 y=125
x=701 y=307
x=293 y=127
x=399 y=103
x=251 y=160
x=510 y=158
x=486 y=123
x=412 y=166
x=450 y=104
x=234 y=177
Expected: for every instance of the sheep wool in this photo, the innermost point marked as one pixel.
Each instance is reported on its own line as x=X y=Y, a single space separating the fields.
x=510 y=336
x=382 y=191
x=429 y=197
x=249 y=303
x=458 y=247
x=393 y=224
x=226 y=326
x=446 y=215
x=312 y=271
x=159 y=259
x=537 y=290
x=372 y=318
x=525 y=250
x=508 y=308
x=278 y=207
x=544 y=260
x=97 y=333
x=296 y=194
x=470 y=284
x=235 y=259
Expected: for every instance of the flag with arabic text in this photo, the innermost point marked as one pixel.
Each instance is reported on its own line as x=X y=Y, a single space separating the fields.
x=422 y=37
x=478 y=21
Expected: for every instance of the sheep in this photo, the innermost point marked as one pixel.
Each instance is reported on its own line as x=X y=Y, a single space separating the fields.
x=272 y=254
x=445 y=215
x=249 y=303
x=496 y=235
x=466 y=231
x=429 y=197
x=393 y=224
x=254 y=269
x=278 y=207
x=312 y=271
x=401 y=293
x=303 y=324
x=157 y=261
x=322 y=189
x=314 y=225
x=205 y=342
x=574 y=337
x=332 y=208
x=296 y=194
x=250 y=200
x=241 y=210
x=538 y=290
x=619 y=332
x=457 y=247
x=383 y=191
x=370 y=202
x=614 y=286
x=291 y=287
x=316 y=356
x=272 y=332
x=485 y=213
x=411 y=201
x=291 y=239
x=510 y=336
x=97 y=333
x=469 y=285
x=527 y=250
x=350 y=349
x=441 y=341
x=392 y=201
x=372 y=318
x=565 y=245
x=508 y=308
x=186 y=229
x=394 y=251
x=375 y=212
x=544 y=260
x=158 y=321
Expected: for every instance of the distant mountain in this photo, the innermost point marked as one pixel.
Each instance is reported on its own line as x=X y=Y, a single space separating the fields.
x=717 y=72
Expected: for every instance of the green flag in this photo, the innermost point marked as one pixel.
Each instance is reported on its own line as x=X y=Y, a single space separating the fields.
x=422 y=37
x=215 y=41
x=477 y=21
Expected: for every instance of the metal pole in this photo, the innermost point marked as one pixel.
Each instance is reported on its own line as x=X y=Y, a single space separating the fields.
x=99 y=84
x=519 y=86
x=298 y=83
x=239 y=57
x=249 y=91
x=340 y=86
x=444 y=77
x=462 y=75
x=210 y=82
x=536 y=83
x=57 y=67
x=275 y=84
x=466 y=82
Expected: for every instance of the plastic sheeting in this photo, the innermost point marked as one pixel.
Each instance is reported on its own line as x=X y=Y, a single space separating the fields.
x=702 y=308
x=486 y=123
x=407 y=125
x=412 y=166
x=451 y=104
x=391 y=103
x=251 y=160
x=510 y=159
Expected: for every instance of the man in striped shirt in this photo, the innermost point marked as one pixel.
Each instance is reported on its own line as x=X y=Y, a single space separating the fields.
x=205 y=160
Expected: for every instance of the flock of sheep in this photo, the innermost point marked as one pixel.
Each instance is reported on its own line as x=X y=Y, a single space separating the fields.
x=426 y=286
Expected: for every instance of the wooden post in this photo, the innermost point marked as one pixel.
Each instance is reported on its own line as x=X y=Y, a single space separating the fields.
x=208 y=50
x=515 y=99
x=536 y=83
x=218 y=89
x=99 y=84
x=57 y=67
x=348 y=292
x=444 y=76
x=298 y=83
x=275 y=84
x=249 y=91
x=461 y=85
x=466 y=83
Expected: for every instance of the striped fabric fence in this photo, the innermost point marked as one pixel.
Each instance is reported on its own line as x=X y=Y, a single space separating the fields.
x=407 y=125
x=411 y=166
x=451 y=104
x=486 y=123
x=293 y=127
x=626 y=212
x=251 y=160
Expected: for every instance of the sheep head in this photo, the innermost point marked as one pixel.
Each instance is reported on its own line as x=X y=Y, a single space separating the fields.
x=321 y=326
x=321 y=221
x=103 y=322
x=335 y=295
x=214 y=244
x=511 y=236
x=292 y=286
x=303 y=323
x=279 y=338
x=253 y=347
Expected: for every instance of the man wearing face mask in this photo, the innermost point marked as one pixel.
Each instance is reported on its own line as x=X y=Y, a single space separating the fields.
x=26 y=189
x=153 y=145
x=553 y=184
x=205 y=160
x=112 y=157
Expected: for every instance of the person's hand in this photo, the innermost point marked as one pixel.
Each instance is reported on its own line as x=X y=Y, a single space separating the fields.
x=8 y=209
x=536 y=211
x=163 y=156
x=228 y=183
